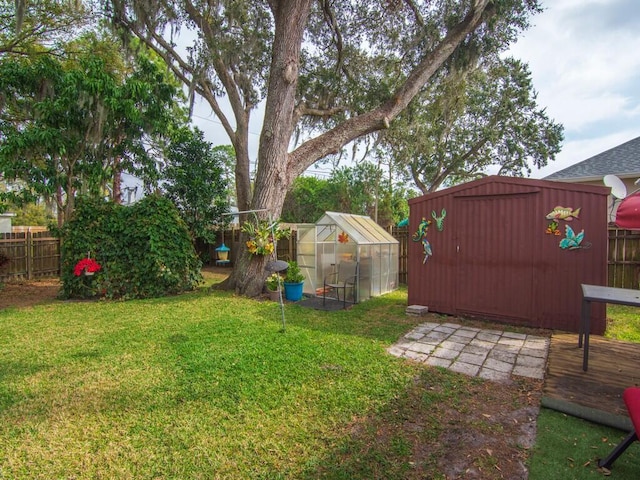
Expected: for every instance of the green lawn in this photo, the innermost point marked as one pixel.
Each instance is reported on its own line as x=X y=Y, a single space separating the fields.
x=207 y=386
x=198 y=386
x=623 y=323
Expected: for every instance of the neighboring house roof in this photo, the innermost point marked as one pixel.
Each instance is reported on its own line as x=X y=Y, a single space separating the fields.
x=622 y=161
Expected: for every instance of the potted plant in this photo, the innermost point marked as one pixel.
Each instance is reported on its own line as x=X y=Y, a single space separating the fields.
x=273 y=283
x=293 y=282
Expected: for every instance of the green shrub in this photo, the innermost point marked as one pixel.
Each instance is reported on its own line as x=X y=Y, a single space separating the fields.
x=293 y=274
x=145 y=250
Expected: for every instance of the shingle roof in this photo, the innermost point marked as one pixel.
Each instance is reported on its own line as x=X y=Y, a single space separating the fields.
x=623 y=160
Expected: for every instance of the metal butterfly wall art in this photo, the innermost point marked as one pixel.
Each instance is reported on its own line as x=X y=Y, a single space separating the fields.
x=571 y=241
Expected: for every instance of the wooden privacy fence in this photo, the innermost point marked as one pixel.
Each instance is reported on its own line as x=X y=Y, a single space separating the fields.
x=402 y=235
x=287 y=247
x=37 y=254
x=624 y=258
x=31 y=255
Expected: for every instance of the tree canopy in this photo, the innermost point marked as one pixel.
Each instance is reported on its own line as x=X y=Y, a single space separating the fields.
x=70 y=125
x=195 y=183
x=327 y=73
x=471 y=120
x=42 y=27
x=362 y=190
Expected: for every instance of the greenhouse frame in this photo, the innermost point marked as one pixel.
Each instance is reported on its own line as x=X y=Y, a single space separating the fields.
x=343 y=237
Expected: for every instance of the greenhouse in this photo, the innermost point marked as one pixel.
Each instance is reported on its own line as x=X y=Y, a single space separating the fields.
x=338 y=240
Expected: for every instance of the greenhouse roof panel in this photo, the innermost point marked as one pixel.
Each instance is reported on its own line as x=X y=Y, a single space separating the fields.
x=360 y=228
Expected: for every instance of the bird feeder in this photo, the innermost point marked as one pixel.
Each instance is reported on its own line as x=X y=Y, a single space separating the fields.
x=222 y=254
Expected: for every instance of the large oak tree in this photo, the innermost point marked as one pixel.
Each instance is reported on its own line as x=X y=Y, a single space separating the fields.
x=333 y=71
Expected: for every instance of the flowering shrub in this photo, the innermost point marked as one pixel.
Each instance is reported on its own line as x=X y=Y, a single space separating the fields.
x=145 y=250
x=86 y=265
x=273 y=281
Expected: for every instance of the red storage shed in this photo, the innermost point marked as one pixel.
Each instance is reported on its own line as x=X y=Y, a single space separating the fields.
x=510 y=249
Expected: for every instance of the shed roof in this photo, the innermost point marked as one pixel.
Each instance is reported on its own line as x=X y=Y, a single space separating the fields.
x=623 y=161
x=496 y=184
x=360 y=228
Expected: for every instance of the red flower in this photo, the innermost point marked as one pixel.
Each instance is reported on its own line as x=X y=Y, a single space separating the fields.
x=86 y=264
x=343 y=237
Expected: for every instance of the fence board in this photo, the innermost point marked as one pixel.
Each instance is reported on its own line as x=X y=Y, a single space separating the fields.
x=402 y=235
x=624 y=258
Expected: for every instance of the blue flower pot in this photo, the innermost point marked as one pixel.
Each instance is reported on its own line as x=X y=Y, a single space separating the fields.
x=293 y=291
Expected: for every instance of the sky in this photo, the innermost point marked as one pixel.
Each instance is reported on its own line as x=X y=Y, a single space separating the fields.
x=584 y=57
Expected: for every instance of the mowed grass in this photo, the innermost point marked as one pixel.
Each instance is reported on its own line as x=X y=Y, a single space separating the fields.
x=206 y=385
x=203 y=385
x=569 y=448
x=623 y=323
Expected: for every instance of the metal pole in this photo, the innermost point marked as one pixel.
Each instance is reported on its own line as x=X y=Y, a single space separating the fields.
x=275 y=252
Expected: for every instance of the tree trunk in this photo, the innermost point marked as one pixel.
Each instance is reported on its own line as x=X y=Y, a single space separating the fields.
x=276 y=167
x=60 y=206
x=242 y=170
x=272 y=180
x=116 y=193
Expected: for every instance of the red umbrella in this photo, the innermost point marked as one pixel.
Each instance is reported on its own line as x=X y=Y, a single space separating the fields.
x=628 y=213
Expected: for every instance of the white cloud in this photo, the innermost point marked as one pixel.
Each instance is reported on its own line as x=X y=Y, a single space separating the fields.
x=585 y=66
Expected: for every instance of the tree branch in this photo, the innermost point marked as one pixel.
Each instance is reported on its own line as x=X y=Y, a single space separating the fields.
x=416 y=12
x=304 y=110
x=229 y=83
x=331 y=141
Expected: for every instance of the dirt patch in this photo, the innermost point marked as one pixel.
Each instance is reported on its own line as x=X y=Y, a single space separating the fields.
x=28 y=293
x=447 y=426
x=492 y=438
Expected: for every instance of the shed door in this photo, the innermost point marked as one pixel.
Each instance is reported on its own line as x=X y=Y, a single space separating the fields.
x=494 y=267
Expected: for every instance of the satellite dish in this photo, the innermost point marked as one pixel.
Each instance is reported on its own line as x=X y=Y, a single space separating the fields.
x=618 y=190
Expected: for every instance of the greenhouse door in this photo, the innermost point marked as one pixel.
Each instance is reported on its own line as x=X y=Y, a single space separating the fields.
x=494 y=260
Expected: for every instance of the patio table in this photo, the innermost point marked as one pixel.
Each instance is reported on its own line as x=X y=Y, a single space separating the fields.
x=598 y=293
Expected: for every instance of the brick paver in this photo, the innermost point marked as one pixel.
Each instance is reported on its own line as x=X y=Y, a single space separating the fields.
x=491 y=354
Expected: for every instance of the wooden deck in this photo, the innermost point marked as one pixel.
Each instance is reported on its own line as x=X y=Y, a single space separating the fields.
x=613 y=366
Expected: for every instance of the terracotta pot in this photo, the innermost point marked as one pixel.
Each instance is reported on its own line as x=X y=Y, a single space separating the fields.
x=274 y=295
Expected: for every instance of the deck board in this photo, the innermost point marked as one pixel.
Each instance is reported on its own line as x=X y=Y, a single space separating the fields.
x=613 y=366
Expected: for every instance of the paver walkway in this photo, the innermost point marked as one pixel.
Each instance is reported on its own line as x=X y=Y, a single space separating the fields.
x=491 y=354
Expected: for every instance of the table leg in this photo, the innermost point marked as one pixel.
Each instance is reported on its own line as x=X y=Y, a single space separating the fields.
x=583 y=318
x=587 y=331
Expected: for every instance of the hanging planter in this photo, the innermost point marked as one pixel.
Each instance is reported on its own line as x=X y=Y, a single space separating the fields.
x=262 y=236
x=87 y=266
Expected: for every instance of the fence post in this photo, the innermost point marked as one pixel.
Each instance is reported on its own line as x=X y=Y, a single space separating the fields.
x=29 y=252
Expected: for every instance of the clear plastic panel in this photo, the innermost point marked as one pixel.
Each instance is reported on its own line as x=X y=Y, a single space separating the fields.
x=306 y=256
x=326 y=262
x=376 y=269
x=340 y=237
